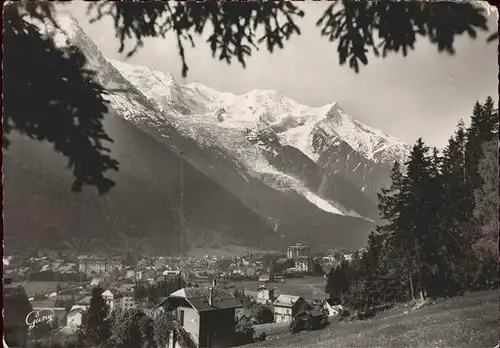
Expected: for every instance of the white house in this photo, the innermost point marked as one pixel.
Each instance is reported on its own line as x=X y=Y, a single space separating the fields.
x=333 y=309
x=302 y=264
x=287 y=306
x=265 y=296
x=127 y=300
x=74 y=317
x=96 y=281
x=171 y=273
x=112 y=299
x=78 y=306
x=133 y=274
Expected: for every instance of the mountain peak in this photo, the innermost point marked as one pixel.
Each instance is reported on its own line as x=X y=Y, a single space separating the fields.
x=337 y=115
x=294 y=123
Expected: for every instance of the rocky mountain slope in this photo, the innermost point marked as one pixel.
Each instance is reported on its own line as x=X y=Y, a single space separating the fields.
x=326 y=136
x=246 y=185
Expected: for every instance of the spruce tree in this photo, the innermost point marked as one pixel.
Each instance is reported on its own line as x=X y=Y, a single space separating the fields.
x=332 y=284
x=417 y=217
x=455 y=176
x=456 y=212
x=434 y=247
x=374 y=290
x=483 y=128
x=95 y=329
x=386 y=243
x=486 y=212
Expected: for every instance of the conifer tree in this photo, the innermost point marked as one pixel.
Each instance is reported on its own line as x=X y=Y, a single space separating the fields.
x=434 y=241
x=456 y=211
x=454 y=175
x=95 y=329
x=483 y=128
x=391 y=265
x=417 y=216
x=374 y=290
x=487 y=214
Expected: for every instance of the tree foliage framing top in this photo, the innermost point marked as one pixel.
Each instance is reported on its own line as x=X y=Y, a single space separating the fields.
x=69 y=114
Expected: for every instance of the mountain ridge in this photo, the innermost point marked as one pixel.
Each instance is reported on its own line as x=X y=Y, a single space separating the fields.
x=270 y=214
x=201 y=112
x=262 y=99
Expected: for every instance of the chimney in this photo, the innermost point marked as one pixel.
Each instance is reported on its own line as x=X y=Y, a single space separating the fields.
x=210 y=297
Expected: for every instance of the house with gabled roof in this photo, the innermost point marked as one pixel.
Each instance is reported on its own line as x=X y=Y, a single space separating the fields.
x=287 y=306
x=204 y=315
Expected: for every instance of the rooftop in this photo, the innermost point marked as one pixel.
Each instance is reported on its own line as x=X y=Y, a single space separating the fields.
x=286 y=300
x=198 y=298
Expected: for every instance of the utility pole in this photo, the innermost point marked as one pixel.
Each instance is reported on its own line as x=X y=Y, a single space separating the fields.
x=253 y=190
x=182 y=202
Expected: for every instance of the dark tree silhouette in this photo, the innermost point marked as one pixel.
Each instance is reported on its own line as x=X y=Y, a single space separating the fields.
x=95 y=329
x=50 y=95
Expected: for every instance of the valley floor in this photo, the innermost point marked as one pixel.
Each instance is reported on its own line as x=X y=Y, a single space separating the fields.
x=465 y=321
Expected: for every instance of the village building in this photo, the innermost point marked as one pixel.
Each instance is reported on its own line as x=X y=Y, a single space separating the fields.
x=265 y=278
x=298 y=250
x=112 y=298
x=332 y=307
x=301 y=256
x=97 y=281
x=74 y=317
x=265 y=296
x=135 y=274
x=287 y=306
x=204 y=315
x=303 y=264
x=201 y=280
x=97 y=265
x=167 y=274
x=127 y=300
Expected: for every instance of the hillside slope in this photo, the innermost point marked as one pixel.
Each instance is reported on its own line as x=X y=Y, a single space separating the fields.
x=40 y=208
x=460 y=322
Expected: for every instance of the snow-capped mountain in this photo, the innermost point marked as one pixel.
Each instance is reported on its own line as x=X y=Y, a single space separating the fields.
x=255 y=163
x=223 y=120
x=353 y=151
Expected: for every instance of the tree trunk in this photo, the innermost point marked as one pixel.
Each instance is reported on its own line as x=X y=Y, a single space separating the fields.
x=411 y=288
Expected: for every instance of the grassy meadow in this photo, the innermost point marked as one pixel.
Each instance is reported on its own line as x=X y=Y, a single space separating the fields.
x=463 y=322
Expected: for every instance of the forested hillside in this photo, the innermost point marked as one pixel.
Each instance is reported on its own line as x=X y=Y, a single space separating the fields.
x=440 y=236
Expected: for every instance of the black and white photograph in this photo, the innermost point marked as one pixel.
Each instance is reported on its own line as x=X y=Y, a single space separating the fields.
x=261 y=174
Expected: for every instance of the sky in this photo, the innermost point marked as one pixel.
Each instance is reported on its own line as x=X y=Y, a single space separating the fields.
x=422 y=95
